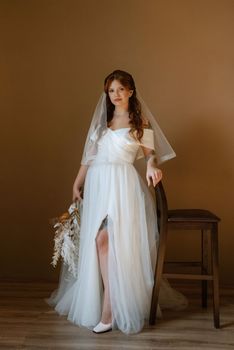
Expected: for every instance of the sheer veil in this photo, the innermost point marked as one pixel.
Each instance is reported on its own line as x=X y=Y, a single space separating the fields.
x=98 y=127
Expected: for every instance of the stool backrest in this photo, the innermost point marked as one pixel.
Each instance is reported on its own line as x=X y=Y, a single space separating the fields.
x=161 y=207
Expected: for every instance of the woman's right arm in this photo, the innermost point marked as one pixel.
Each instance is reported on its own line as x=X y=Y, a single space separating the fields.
x=79 y=182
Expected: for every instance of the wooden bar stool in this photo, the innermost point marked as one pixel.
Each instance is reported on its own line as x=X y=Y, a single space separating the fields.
x=187 y=219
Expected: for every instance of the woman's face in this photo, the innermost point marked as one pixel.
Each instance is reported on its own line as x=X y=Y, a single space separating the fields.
x=119 y=94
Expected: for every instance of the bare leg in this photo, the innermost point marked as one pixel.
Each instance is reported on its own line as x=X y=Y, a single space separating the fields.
x=102 y=248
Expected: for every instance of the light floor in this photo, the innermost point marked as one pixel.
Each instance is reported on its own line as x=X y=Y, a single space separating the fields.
x=27 y=322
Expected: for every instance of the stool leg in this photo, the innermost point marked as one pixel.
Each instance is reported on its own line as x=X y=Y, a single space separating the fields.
x=204 y=266
x=215 y=270
x=158 y=276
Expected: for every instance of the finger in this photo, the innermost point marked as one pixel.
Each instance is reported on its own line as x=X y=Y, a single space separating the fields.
x=148 y=180
x=78 y=197
x=154 y=179
x=160 y=174
x=157 y=173
x=157 y=178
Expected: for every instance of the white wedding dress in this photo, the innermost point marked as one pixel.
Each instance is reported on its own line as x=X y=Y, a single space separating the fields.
x=113 y=188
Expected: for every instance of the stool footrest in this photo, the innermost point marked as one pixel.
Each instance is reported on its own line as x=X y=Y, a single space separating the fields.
x=183 y=263
x=185 y=276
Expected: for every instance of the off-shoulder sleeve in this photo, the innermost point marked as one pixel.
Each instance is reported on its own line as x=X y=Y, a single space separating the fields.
x=147 y=141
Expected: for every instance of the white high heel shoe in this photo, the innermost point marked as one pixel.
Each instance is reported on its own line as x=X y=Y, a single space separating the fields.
x=102 y=327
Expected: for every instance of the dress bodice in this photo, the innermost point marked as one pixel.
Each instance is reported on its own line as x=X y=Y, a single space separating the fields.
x=116 y=146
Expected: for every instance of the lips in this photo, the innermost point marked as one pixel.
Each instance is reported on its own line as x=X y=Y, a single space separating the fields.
x=117 y=99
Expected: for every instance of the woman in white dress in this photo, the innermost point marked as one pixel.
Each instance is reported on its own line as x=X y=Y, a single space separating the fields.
x=118 y=237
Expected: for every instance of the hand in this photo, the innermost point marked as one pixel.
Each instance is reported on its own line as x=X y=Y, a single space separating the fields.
x=77 y=194
x=153 y=174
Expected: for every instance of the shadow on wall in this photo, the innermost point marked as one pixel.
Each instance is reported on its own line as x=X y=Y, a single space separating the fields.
x=204 y=152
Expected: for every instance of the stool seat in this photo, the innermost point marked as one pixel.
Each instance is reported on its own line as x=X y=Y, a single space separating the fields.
x=191 y=215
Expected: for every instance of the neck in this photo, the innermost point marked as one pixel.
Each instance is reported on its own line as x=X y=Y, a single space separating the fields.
x=120 y=111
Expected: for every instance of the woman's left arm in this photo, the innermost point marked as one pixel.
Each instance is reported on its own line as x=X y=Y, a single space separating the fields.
x=152 y=172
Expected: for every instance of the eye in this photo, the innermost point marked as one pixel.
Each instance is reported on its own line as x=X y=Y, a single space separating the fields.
x=111 y=90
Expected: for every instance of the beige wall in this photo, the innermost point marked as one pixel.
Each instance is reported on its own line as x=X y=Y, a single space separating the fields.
x=54 y=56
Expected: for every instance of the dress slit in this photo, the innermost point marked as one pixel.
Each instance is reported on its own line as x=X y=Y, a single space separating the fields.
x=104 y=223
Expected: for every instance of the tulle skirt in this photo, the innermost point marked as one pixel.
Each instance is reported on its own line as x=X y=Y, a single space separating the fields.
x=116 y=193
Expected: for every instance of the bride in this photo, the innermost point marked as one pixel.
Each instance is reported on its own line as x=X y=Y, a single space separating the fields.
x=118 y=237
